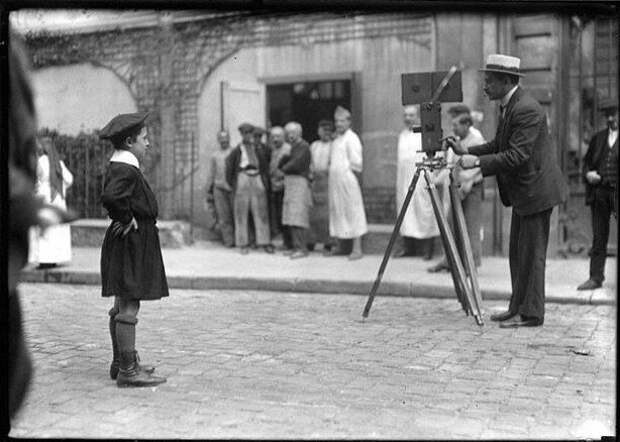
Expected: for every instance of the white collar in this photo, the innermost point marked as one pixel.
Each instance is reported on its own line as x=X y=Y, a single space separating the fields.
x=124 y=156
x=506 y=98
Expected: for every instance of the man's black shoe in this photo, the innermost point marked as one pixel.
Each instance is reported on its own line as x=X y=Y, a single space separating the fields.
x=402 y=253
x=439 y=267
x=520 y=321
x=502 y=316
x=590 y=284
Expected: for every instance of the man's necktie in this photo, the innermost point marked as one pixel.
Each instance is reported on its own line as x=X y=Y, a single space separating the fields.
x=501 y=115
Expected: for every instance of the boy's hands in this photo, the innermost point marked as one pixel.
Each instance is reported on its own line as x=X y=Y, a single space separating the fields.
x=119 y=229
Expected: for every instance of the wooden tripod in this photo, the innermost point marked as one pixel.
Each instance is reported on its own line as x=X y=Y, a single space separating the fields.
x=460 y=257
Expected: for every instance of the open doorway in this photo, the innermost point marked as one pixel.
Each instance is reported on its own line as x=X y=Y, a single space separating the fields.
x=307 y=103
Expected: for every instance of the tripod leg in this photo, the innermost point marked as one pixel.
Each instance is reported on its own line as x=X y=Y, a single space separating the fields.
x=460 y=227
x=386 y=255
x=451 y=249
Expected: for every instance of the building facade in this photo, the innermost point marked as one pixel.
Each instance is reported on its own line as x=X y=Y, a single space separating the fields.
x=201 y=74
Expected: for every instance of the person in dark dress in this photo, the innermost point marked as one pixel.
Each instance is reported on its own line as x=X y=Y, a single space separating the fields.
x=600 y=172
x=132 y=267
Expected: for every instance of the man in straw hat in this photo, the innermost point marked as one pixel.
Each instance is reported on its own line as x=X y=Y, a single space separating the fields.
x=600 y=170
x=132 y=267
x=529 y=179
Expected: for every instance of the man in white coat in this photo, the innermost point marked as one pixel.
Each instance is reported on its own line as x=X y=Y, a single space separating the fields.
x=347 y=218
x=419 y=221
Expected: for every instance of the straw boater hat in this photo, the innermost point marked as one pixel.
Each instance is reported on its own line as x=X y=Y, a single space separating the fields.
x=504 y=64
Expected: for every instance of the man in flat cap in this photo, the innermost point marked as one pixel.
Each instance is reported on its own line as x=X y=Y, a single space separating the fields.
x=132 y=267
x=600 y=171
x=529 y=179
x=247 y=172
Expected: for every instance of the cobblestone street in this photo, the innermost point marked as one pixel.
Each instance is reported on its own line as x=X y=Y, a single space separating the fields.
x=281 y=365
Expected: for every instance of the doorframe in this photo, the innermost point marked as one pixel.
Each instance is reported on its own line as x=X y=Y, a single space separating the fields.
x=354 y=78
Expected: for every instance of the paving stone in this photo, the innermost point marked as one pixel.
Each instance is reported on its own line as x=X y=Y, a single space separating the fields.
x=268 y=365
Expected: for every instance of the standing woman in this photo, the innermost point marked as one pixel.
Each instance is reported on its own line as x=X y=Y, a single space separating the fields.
x=52 y=245
x=132 y=268
x=347 y=218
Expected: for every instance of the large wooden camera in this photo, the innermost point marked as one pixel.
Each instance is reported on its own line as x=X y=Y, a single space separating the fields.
x=429 y=90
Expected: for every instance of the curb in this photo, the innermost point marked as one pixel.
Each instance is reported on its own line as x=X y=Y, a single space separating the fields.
x=321 y=286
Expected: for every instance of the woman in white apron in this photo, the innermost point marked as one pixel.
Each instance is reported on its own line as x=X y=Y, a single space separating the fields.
x=53 y=245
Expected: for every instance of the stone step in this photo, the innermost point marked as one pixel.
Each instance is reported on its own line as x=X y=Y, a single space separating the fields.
x=89 y=232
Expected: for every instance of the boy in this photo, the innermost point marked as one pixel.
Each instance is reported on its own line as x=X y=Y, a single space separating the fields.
x=132 y=267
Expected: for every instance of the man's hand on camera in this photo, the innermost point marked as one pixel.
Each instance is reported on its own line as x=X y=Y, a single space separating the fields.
x=593 y=177
x=456 y=146
x=469 y=161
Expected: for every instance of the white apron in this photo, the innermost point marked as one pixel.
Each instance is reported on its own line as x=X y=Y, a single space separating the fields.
x=347 y=218
x=419 y=221
x=54 y=244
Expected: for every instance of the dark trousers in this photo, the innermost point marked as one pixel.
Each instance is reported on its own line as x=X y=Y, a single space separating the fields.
x=275 y=216
x=299 y=236
x=529 y=236
x=601 y=207
x=224 y=205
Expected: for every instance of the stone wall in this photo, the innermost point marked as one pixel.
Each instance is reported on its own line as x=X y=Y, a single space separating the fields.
x=164 y=67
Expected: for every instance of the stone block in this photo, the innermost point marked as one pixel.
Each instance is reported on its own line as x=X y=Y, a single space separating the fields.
x=89 y=232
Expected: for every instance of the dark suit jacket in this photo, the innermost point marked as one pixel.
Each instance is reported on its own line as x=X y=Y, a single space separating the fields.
x=234 y=158
x=594 y=157
x=523 y=159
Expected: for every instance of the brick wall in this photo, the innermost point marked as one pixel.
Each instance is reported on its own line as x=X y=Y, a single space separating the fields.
x=165 y=67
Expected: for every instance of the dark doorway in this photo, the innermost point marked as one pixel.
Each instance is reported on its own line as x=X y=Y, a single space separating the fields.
x=307 y=103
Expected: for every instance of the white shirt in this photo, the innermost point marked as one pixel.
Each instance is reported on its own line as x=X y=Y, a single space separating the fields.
x=506 y=98
x=612 y=137
x=320 y=155
x=124 y=156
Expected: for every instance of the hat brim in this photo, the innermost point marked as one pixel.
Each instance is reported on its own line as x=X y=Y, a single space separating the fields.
x=502 y=71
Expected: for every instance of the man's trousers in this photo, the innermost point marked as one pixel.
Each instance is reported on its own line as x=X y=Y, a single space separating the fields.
x=529 y=236
x=224 y=211
x=250 y=197
x=602 y=207
x=276 y=202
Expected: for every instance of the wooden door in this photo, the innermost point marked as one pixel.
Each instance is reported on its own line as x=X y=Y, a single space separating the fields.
x=241 y=102
x=537 y=41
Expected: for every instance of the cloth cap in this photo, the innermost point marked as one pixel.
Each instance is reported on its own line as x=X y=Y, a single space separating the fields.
x=245 y=128
x=341 y=112
x=259 y=130
x=458 y=109
x=607 y=104
x=122 y=123
x=504 y=64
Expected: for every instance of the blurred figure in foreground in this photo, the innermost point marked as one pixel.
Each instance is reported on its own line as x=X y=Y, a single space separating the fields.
x=25 y=212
